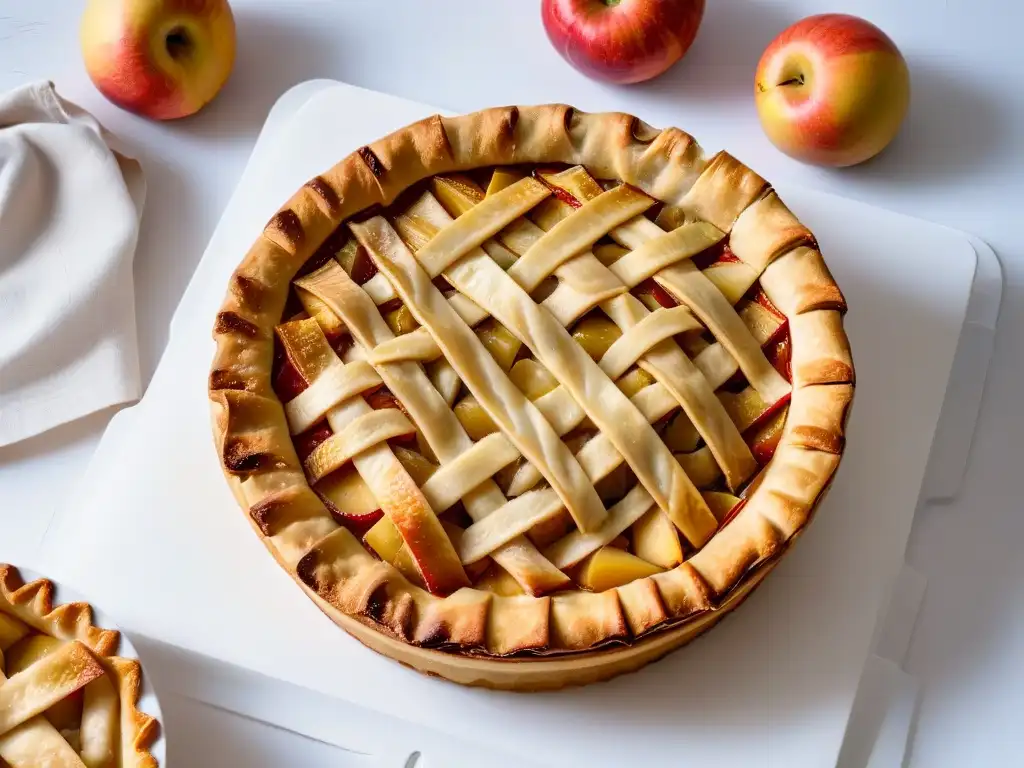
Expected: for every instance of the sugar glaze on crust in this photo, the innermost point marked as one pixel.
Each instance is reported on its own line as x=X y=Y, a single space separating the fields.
x=259 y=459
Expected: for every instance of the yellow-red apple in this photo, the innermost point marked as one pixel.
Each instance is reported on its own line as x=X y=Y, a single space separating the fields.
x=622 y=41
x=832 y=90
x=162 y=59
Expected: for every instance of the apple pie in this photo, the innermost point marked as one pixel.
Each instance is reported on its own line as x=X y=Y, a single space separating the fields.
x=529 y=397
x=66 y=699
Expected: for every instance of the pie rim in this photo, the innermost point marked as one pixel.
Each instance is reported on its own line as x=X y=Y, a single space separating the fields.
x=32 y=603
x=254 y=442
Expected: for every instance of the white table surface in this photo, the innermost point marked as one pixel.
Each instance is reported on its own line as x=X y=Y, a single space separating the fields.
x=959 y=161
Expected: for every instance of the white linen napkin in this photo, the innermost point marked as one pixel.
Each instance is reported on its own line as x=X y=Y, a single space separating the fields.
x=69 y=220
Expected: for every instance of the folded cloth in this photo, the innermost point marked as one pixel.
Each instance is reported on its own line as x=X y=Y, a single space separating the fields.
x=69 y=220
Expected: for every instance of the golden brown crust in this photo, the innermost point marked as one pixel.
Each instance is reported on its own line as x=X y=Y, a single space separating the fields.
x=139 y=731
x=32 y=603
x=259 y=459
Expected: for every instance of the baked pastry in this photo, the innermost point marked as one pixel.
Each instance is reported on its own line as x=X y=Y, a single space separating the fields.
x=527 y=397
x=66 y=699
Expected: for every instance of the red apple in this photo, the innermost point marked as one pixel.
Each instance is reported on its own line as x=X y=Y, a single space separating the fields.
x=162 y=59
x=832 y=90
x=622 y=41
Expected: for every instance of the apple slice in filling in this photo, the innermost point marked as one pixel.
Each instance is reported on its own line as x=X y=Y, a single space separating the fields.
x=474 y=419
x=500 y=342
x=384 y=539
x=532 y=378
x=656 y=541
x=764 y=440
x=680 y=435
x=499 y=582
x=611 y=567
x=349 y=500
x=596 y=333
x=633 y=381
x=356 y=261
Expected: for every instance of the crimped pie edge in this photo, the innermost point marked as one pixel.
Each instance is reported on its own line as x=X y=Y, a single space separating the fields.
x=32 y=603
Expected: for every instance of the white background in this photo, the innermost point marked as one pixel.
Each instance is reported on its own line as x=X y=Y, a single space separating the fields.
x=959 y=161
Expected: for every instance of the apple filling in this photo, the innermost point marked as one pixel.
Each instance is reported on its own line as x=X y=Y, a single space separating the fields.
x=722 y=441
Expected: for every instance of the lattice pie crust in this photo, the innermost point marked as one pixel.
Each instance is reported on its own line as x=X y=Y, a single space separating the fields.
x=66 y=701
x=531 y=385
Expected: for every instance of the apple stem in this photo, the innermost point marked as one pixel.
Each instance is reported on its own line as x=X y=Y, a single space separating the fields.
x=799 y=80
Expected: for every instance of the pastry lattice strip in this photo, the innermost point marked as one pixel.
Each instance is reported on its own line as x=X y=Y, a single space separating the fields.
x=546 y=255
x=442 y=431
x=27 y=739
x=567 y=303
x=543 y=262
x=653 y=256
x=583 y=285
x=448 y=440
x=110 y=731
x=398 y=496
x=335 y=290
x=477 y=276
x=646 y=336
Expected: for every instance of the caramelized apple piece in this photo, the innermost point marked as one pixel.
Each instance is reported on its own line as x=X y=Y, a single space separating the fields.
x=634 y=380
x=307 y=442
x=744 y=407
x=456 y=193
x=401 y=321
x=780 y=355
x=670 y=217
x=331 y=324
x=504 y=177
x=66 y=714
x=595 y=334
x=532 y=378
x=766 y=437
x=649 y=301
x=416 y=464
x=497 y=580
x=576 y=184
x=610 y=567
x=474 y=419
x=700 y=466
x=656 y=541
x=500 y=342
x=720 y=503
x=764 y=324
x=732 y=278
x=654 y=296
x=356 y=261
x=609 y=253
x=549 y=212
x=384 y=539
x=681 y=435
x=345 y=492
